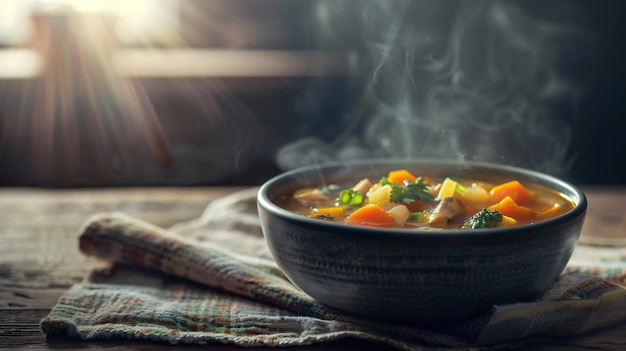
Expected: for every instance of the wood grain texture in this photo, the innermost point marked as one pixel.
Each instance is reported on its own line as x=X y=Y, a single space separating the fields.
x=605 y=223
x=39 y=258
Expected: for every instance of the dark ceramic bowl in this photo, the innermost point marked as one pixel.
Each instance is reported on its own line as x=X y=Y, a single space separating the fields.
x=416 y=276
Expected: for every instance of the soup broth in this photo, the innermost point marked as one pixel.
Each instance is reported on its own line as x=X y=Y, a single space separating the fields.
x=404 y=200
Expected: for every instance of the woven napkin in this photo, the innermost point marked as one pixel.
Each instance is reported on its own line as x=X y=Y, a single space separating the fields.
x=212 y=280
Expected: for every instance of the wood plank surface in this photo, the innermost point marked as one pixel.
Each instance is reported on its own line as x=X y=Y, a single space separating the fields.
x=605 y=223
x=39 y=257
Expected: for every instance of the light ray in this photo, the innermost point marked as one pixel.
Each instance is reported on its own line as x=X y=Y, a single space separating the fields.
x=83 y=121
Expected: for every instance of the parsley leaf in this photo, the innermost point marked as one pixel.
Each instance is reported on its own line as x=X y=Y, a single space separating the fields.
x=409 y=191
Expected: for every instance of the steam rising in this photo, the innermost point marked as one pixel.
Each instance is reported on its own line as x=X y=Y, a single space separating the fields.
x=471 y=80
x=465 y=79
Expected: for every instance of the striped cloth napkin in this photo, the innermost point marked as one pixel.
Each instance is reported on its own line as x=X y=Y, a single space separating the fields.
x=212 y=280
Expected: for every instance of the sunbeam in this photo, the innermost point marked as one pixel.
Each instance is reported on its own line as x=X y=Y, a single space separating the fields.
x=83 y=119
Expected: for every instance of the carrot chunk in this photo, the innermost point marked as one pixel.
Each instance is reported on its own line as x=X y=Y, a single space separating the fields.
x=514 y=189
x=509 y=207
x=398 y=176
x=372 y=215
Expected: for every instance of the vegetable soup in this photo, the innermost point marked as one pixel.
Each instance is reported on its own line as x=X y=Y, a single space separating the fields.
x=403 y=199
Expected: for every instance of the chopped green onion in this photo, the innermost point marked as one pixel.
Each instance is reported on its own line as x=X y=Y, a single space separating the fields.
x=350 y=197
x=416 y=216
x=357 y=199
x=345 y=197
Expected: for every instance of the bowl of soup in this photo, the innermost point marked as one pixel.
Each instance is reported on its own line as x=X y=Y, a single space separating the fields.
x=421 y=242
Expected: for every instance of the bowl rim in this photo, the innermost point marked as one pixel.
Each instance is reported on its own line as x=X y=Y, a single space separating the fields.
x=370 y=232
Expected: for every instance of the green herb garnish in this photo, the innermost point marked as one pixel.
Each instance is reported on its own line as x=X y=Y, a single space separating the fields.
x=409 y=191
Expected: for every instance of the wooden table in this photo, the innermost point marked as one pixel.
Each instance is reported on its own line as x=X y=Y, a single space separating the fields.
x=39 y=257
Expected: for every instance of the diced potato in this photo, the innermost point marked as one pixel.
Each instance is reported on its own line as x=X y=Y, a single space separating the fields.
x=475 y=193
x=400 y=213
x=448 y=187
x=381 y=195
x=374 y=187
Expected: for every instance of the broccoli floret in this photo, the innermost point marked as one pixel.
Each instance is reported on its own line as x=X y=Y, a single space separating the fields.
x=483 y=219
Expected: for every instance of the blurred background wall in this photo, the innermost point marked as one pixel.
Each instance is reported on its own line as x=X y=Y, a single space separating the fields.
x=202 y=92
